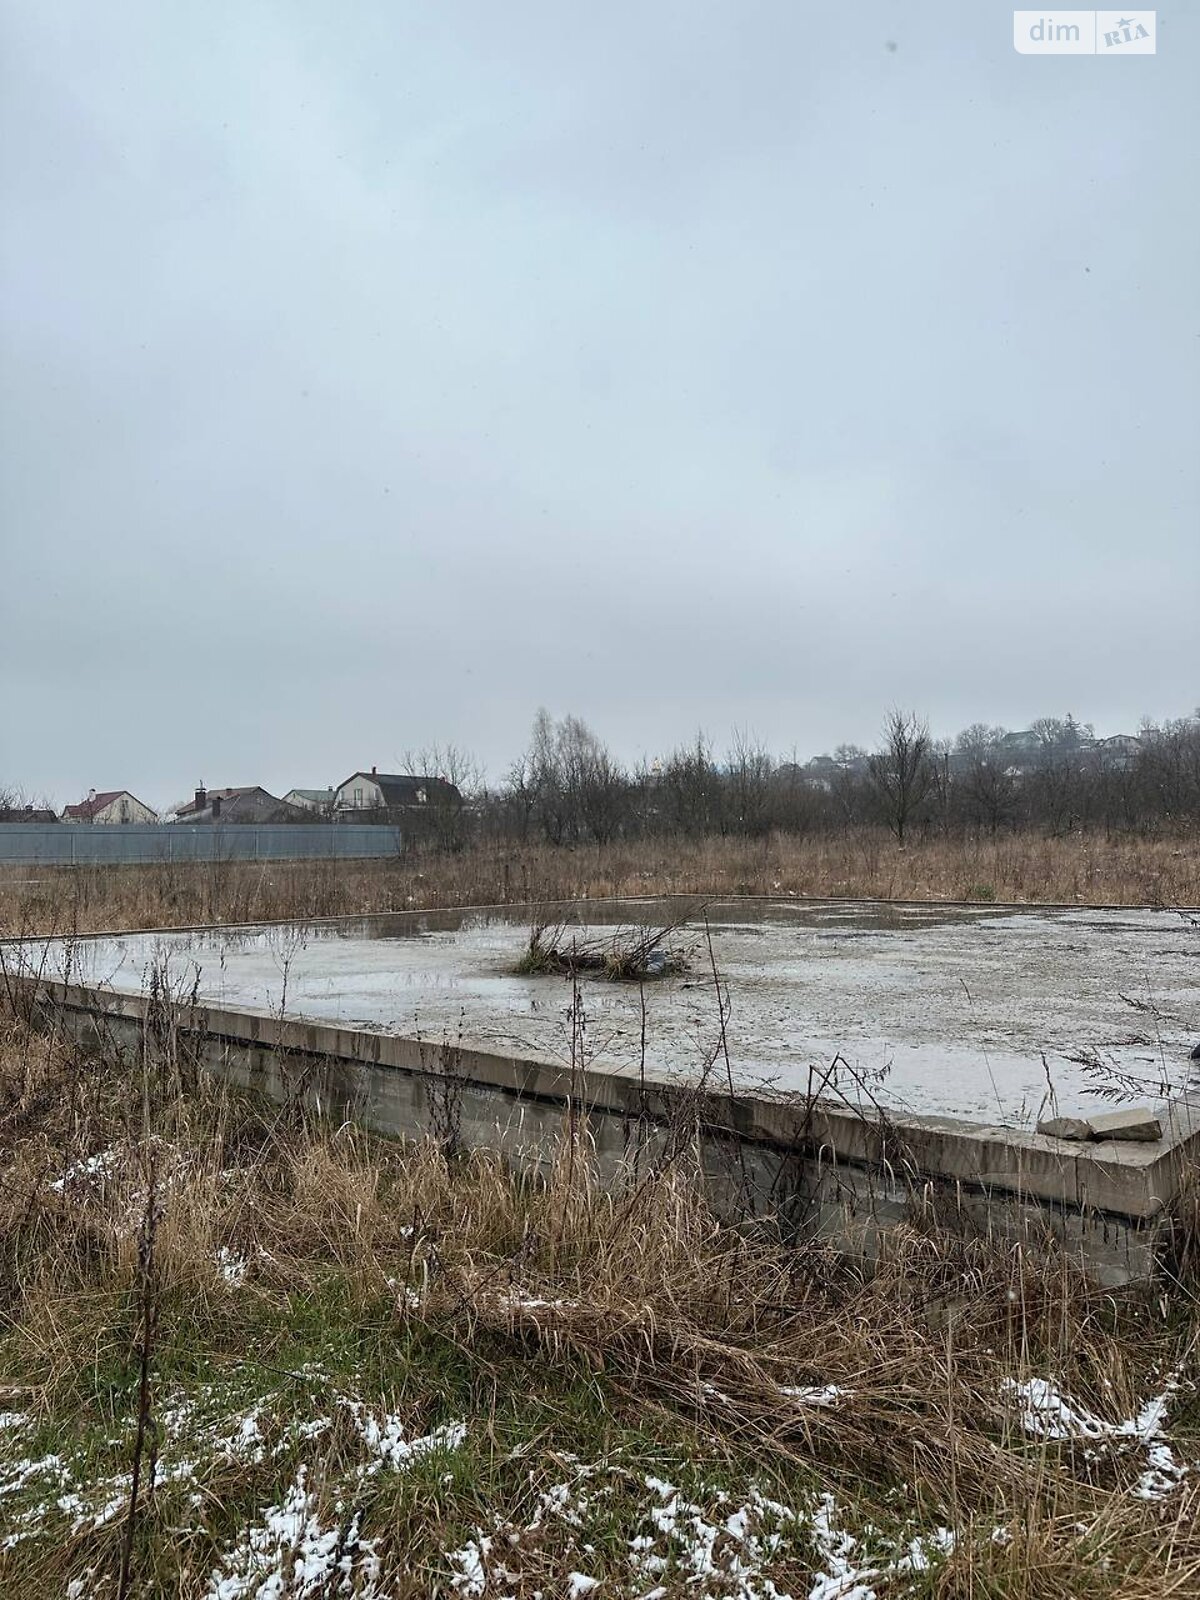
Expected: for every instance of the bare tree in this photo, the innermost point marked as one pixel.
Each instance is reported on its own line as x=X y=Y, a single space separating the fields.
x=849 y=784
x=1168 y=769
x=517 y=798
x=572 y=782
x=596 y=781
x=987 y=789
x=749 y=770
x=902 y=773
x=689 y=795
x=1061 y=733
x=979 y=739
x=1052 y=787
x=452 y=796
x=941 y=783
x=546 y=780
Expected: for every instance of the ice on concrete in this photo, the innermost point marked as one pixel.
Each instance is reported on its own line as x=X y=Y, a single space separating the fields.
x=986 y=1013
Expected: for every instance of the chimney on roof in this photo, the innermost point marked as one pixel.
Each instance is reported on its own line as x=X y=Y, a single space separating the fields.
x=201 y=797
x=373 y=772
x=91 y=794
x=216 y=807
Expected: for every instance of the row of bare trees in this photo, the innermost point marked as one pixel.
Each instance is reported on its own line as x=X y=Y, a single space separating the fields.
x=569 y=788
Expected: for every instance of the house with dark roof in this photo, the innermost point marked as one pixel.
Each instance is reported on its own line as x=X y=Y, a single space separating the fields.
x=247 y=804
x=109 y=806
x=27 y=814
x=379 y=796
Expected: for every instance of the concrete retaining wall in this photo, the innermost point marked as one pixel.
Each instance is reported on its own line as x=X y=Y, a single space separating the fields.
x=818 y=1168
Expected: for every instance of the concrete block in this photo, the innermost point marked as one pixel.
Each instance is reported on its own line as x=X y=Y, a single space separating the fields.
x=1065 y=1128
x=1136 y=1123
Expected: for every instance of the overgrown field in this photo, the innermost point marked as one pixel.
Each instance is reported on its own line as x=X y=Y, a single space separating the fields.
x=246 y=1354
x=1080 y=868
x=340 y=1366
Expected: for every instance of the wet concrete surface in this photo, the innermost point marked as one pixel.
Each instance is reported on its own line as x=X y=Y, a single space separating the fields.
x=991 y=1014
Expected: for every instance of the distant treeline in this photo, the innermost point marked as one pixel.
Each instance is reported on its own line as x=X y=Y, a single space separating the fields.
x=568 y=787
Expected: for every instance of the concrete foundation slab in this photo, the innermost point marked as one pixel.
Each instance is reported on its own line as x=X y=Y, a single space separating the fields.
x=994 y=1015
x=846 y=1065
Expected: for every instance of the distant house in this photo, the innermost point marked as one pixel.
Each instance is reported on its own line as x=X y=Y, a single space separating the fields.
x=822 y=772
x=1022 y=743
x=247 y=804
x=382 y=795
x=318 y=800
x=27 y=814
x=109 y=806
x=1119 y=749
x=817 y=773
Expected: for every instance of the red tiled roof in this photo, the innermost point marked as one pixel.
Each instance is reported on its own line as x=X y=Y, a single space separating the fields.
x=89 y=807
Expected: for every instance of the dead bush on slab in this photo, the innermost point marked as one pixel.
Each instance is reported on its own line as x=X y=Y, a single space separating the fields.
x=630 y=955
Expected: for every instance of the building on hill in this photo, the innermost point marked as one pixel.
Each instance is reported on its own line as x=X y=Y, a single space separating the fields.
x=1022 y=742
x=1119 y=749
x=247 y=804
x=110 y=806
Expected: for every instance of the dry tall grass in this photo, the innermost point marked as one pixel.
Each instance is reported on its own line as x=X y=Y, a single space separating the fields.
x=420 y=1275
x=1083 y=869
x=309 y=1285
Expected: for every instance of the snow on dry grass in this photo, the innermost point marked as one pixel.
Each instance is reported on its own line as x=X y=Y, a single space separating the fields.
x=711 y=1543
x=291 y=1552
x=372 y=1367
x=1046 y=1413
x=200 y=1437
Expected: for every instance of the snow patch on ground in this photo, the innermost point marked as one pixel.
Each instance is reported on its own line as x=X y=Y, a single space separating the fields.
x=514 y=1300
x=727 y=1545
x=387 y=1445
x=849 y=1574
x=826 y=1395
x=198 y=1433
x=232 y=1267
x=408 y=1298
x=710 y=1546
x=16 y=1476
x=97 y=1166
x=470 y=1564
x=1046 y=1413
x=292 y=1551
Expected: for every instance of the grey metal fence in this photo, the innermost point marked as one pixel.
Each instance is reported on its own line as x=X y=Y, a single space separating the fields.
x=68 y=844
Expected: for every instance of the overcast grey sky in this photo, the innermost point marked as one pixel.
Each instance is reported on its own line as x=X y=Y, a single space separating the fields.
x=375 y=373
